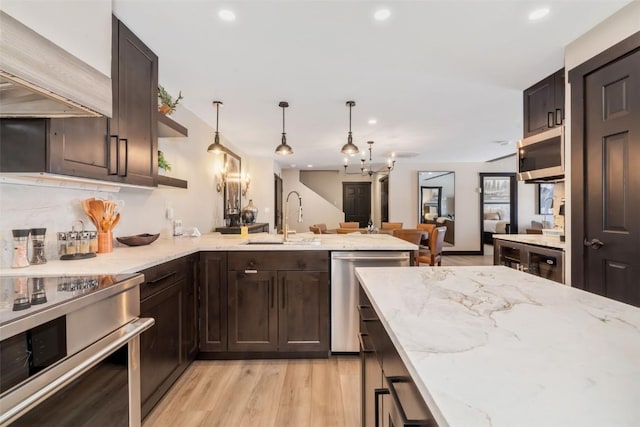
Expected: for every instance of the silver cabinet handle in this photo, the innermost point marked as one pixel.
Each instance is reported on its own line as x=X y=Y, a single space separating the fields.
x=381 y=258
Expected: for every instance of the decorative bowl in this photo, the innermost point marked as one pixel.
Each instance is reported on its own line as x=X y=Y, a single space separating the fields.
x=139 y=240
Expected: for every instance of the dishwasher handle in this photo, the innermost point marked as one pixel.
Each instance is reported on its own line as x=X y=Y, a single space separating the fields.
x=372 y=258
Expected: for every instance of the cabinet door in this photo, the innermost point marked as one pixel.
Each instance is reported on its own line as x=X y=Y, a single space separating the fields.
x=80 y=147
x=371 y=380
x=303 y=313
x=253 y=314
x=190 y=312
x=213 y=301
x=160 y=345
x=134 y=124
x=539 y=106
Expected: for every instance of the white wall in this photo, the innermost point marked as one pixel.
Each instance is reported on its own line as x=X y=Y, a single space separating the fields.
x=82 y=28
x=23 y=206
x=614 y=29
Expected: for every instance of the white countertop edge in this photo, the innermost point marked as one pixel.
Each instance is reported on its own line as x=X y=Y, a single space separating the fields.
x=552 y=242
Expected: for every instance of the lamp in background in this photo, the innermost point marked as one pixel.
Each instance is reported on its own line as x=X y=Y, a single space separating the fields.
x=350 y=148
x=364 y=168
x=283 y=149
x=216 y=147
x=244 y=184
x=221 y=179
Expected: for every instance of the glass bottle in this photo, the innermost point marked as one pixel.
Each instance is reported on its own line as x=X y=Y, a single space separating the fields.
x=37 y=246
x=20 y=242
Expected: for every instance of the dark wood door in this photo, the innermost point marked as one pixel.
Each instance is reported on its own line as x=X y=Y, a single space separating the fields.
x=612 y=178
x=253 y=313
x=303 y=314
x=190 y=311
x=160 y=355
x=356 y=202
x=544 y=104
x=278 y=203
x=384 y=199
x=134 y=124
x=213 y=301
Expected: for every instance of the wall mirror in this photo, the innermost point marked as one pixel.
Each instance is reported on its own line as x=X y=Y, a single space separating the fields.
x=437 y=201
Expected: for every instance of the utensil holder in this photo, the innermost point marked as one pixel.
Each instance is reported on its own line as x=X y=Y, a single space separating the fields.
x=105 y=242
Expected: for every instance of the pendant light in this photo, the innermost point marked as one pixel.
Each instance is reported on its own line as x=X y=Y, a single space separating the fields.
x=216 y=147
x=284 y=149
x=350 y=148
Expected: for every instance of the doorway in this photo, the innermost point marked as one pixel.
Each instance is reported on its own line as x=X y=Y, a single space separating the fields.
x=498 y=207
x=384 y=198
x=605 y=179
x=356 y=202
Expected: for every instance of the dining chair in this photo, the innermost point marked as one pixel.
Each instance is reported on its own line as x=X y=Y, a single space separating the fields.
x=349 y=225
x=322 y=227
x=349 y=230
x=433 y=254
x=410 y=235
x=314 y=229
x=391 y=225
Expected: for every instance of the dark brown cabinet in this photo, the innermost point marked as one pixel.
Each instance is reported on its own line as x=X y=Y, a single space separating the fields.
x=213 y=302
x=544 y=104
x=133 y=140
x=278 y=301
x=169 y=295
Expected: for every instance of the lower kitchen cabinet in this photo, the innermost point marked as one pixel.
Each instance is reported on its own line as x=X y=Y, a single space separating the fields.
x=213 y=302
x=169 y=295
x=278 y=302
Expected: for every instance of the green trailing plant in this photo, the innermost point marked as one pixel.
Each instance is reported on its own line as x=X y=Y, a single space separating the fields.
x=162 y=162
x=167 y=100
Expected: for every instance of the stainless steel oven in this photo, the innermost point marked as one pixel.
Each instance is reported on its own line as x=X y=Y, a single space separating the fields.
x=73 y=360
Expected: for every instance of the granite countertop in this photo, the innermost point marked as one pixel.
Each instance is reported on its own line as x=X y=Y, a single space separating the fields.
x=125 y=259
x=533 y=239
x=492 y=346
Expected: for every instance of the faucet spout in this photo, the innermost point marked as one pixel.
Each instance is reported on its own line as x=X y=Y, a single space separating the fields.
x=286 y=212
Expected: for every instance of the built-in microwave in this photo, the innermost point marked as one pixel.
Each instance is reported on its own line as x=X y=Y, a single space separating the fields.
x=541 y=156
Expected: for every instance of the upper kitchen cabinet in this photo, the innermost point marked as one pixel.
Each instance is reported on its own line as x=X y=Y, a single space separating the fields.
x=134 y=132
x=544 y=104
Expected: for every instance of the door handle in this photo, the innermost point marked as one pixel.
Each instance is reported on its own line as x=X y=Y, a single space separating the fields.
x=558 y=116
x=550 y=119
x=123 y=157
x=377 y=393
x=593 y=243
x=113 y=155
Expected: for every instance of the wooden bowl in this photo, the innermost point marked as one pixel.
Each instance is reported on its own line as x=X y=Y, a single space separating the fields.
x=139 y=240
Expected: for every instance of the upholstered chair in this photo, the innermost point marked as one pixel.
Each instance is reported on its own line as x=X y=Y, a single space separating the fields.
x=433 y=254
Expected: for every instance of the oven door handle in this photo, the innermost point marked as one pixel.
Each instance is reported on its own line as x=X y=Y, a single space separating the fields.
x=26 y=396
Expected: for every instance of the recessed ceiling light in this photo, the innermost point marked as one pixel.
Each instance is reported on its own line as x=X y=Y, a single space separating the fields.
x=538 y=14
x=382 y=14
x=293 y=165
x=227 y=15
x=372 y=121
x=309 y=166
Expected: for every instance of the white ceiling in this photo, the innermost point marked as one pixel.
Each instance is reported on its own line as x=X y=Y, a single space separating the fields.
x=443 y=78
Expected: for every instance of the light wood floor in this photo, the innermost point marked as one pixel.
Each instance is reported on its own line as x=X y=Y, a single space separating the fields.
x=256 y=393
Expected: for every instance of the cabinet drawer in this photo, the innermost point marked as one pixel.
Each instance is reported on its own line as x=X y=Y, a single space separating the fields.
x=279 y=260
x=159 y=277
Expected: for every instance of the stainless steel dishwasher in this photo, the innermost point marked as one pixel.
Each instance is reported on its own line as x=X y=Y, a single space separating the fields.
x=344 y=293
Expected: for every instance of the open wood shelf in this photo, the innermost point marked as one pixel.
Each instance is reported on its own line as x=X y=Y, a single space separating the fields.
x=171 y=182
x=169 y=128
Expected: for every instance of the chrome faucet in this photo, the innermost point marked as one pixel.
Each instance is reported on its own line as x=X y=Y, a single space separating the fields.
x=286 y=212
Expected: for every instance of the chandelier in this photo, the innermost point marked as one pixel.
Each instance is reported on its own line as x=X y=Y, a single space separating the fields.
x=367 y=168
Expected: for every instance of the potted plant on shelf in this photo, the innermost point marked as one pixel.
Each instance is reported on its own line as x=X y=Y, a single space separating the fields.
x=163 y=165
x=167 y=104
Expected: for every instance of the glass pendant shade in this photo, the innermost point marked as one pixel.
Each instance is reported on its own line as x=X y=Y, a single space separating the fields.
x=216 y=147
x=350 y=148
x=284 y=149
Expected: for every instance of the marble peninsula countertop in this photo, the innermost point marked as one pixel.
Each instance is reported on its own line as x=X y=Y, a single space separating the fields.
x=492 y=346
x=125 y=259
x=534 y=239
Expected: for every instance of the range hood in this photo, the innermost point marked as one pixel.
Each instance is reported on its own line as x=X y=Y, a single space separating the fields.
x=40 y=79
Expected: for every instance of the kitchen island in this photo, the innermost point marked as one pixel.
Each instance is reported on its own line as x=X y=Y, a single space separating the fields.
x=534 y=253
x=492 y=346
